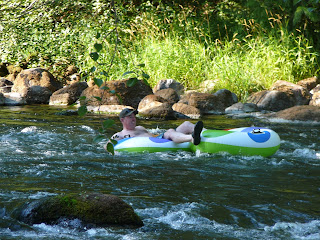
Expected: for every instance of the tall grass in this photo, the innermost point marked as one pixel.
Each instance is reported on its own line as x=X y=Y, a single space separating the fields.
x=242 y=66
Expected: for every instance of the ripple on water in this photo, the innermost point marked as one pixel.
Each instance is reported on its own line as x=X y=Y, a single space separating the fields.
x=186 y=217
x=197 y=195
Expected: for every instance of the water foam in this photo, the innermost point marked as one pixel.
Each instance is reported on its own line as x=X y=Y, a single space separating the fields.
x=305 y=153
x=307 y=231
x=29 y=129
x=39 y=195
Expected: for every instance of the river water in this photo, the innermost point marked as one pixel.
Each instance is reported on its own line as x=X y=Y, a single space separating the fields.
x=178 y=195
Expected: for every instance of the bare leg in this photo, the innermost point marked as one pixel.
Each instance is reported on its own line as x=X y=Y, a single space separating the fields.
x=186 y=127
x=177 y=137
x=186 y=132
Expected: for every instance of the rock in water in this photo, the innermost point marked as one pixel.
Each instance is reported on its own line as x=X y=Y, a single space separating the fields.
x=92 y=209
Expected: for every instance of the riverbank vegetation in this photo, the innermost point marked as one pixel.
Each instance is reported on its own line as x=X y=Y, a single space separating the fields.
x=244 y=46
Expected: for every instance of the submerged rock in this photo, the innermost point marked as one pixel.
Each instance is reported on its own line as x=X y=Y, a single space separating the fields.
x=92 y=209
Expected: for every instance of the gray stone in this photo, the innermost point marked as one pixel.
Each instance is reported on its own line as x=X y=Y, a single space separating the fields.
x=169 y=83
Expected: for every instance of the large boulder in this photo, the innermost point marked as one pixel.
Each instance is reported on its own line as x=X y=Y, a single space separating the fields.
x=210 y=103
x=36 y=85
x=93 y=209
x=281 y=96
x=152 y=106
x=35 y=77
x=300 y=113
x=169 y=83
x=119 y=93
x=186 y=111
x=169 y=94
x=299 y=95
x=271 y=100
x=68 y=95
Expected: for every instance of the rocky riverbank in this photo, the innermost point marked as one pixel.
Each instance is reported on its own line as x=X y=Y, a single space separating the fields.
x=167 y=100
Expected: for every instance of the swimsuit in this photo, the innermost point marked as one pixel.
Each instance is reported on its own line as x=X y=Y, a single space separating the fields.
x=160 y=135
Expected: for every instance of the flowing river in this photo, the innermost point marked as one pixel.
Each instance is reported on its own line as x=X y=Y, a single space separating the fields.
x=177 y=195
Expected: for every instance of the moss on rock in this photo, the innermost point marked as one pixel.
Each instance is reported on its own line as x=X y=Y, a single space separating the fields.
x=92 y=209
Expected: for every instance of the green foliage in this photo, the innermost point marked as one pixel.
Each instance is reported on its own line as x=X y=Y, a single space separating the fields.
x=82 y=110
x=138 y=73
x=245 y=45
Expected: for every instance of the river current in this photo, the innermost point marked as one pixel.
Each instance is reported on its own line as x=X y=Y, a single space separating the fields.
x=177 y=195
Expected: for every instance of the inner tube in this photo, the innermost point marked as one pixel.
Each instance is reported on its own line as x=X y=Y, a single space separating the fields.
x=247 y=141
x=150 y=144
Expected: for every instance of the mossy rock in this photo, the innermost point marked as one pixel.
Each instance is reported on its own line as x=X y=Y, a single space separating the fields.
x=92 y=209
